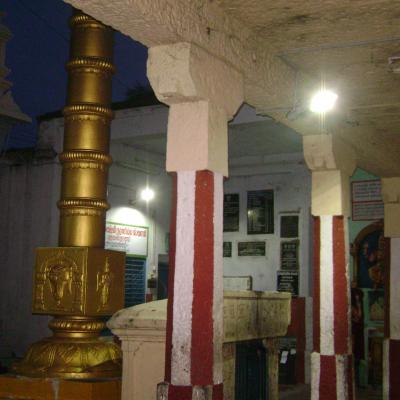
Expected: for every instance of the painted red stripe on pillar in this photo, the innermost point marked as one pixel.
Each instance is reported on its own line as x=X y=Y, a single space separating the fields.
x=340 y=292
x=327 y=380
x=218 y=392
x=316 y=294
x=171 y=275
x=202 y=355
x=394 y=368
x=387 y=261
x=179 y=392
x=297 y=328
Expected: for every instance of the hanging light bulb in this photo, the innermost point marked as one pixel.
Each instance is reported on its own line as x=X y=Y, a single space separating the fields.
x=323 y=101
x=147 y=194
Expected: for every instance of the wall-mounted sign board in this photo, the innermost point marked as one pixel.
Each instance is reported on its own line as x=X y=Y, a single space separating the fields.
x=227 y=249
x=231 y=212
x=260 y=212
x=290 y=255
x=288 y=281
x=289 y=226
x=367 y=204
x=128 y=238
x=251 y=248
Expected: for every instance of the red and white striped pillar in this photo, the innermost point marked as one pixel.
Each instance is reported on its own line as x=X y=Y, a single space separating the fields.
x=331 y=164
x=195 y=84
x=391 y=342
x=194 y=329
x=331 y=361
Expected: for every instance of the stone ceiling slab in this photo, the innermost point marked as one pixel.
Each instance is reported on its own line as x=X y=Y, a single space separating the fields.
x=285 y=50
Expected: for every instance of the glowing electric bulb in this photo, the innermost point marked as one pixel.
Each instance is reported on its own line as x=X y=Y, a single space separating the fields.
x=323 y=101
x=147 y=194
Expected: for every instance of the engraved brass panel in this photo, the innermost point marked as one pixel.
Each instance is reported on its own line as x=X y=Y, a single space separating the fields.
x=78 y=281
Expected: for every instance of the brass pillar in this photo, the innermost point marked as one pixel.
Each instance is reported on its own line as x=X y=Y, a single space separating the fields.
x=79 y=281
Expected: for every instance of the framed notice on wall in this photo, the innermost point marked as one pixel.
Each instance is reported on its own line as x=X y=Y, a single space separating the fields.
x=290 y=255
x=288 y=281
x=251 y=248
x=289 y=226
x=231 y=212
x=367 y=204
x=260 y=212
x=128 y=238
x=227 y=249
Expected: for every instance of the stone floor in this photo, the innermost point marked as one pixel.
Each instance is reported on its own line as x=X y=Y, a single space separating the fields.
x=302 y=392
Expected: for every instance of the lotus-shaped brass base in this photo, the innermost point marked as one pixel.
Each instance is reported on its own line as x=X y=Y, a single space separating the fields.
x=74 y=352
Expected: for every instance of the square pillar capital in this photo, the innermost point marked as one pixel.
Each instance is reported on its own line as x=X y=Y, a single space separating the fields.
x=203 y=93
x=331 y=162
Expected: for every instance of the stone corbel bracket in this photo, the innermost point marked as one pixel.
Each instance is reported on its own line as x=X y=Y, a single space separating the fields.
x=203 y=93
x=332 y=162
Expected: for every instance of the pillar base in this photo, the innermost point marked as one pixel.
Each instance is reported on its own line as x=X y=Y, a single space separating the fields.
x=18 y=388
x=332 y=377
x=74 y=352
x=167 y=391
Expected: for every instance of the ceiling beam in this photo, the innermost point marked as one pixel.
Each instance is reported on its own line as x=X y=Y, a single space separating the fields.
x=373 y=153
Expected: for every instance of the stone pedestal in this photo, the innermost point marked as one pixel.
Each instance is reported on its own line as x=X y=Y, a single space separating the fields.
x=248 y=315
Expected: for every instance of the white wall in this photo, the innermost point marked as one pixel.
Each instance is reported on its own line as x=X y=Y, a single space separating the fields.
x=290 y=180
x=28 y=219
x=155 y=215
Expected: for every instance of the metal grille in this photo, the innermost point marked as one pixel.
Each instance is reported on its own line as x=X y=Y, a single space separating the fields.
x=134 y=281
x=251 y=371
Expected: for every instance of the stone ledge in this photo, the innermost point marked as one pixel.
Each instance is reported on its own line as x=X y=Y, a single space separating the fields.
x=248 y=315
x=23 y=388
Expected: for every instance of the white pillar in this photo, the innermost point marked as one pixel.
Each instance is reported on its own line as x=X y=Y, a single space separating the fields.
x=332 y=163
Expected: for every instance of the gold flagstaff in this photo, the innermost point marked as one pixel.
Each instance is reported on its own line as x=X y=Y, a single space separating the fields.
x=79 y=282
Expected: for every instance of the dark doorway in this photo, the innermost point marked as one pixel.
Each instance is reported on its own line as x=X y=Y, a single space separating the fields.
x=251 y=371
